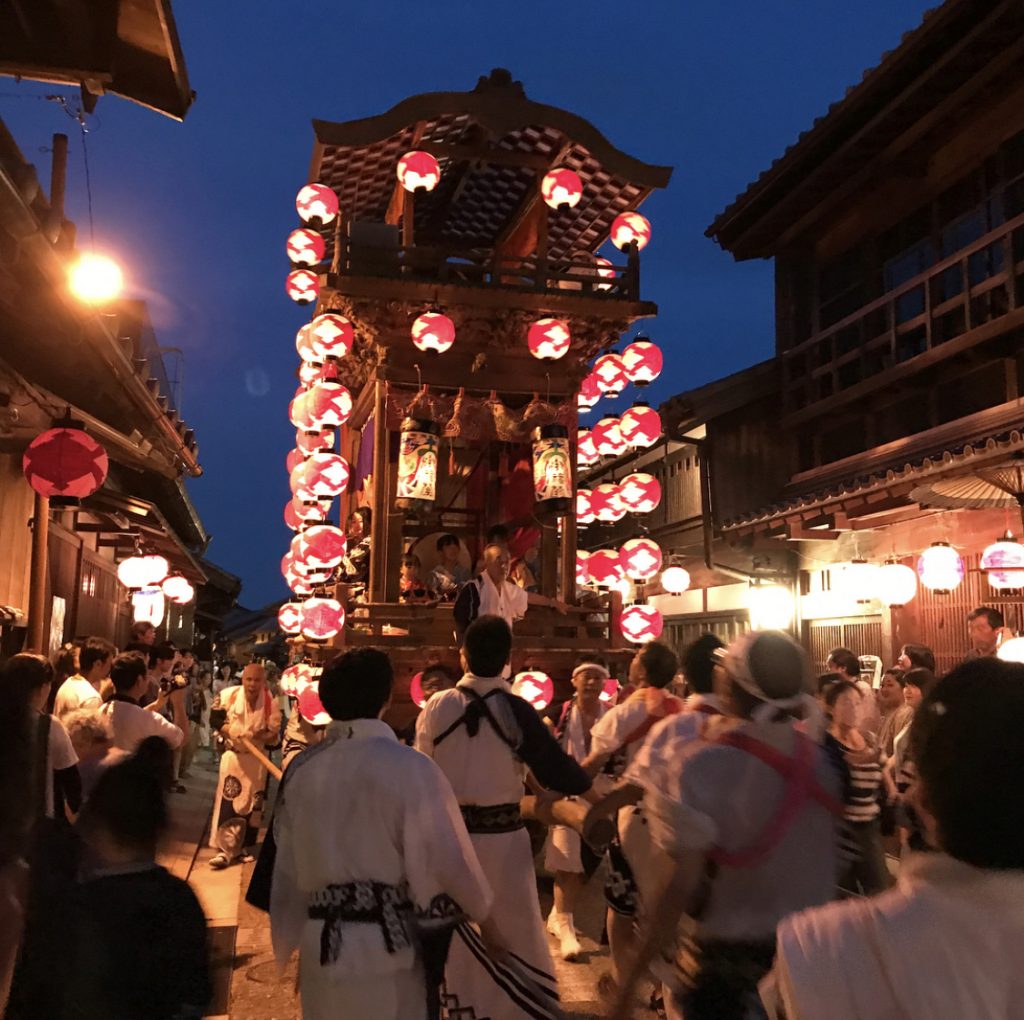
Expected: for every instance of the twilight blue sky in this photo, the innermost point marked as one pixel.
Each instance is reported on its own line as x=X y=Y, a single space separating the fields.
x=198 y=212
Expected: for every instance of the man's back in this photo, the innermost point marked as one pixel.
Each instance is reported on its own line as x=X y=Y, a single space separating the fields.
x=76 y=692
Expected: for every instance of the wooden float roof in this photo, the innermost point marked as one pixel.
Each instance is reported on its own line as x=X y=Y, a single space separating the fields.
x=491 y=143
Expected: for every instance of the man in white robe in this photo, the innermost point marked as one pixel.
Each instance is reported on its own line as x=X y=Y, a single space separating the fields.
x=371 y=854
x=485 y=738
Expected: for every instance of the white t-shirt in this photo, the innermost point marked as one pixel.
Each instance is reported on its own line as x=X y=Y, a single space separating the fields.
x=60 y=754
x=130 y=725
x=510 y=602
x=76 y=692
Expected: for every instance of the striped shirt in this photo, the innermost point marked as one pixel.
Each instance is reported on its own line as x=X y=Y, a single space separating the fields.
x=865 y=782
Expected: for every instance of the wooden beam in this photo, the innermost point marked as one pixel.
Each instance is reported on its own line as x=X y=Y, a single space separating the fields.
x=396 y=205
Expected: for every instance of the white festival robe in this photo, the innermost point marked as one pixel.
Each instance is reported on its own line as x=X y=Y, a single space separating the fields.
x=363 y=807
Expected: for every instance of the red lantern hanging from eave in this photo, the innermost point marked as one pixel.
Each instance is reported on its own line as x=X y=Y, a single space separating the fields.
x=605 y=567
x=640 y=426
x=310 y=442
x=321 y=476
x=584 y=508
x=606 y=501
x=630 y=228
x=610 y=374
x=549 y=339
x=640 y=492
x=321 y=547
x=289 y=619
x=643 y=361
x=641 y=558
x=589 y=394
x=608 y=438
x=65 y=464
x=305 y=247
x=561 y=188
x=432 y=332
x=302 y=286
x=641 y=624
x=418 y=171
x=586 y=449
x=322 y=619
x=316 y=205
x=328 y=404
x=332 y=335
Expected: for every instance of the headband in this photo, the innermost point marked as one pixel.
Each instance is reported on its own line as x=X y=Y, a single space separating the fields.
x=736 y=661
x=595 y=666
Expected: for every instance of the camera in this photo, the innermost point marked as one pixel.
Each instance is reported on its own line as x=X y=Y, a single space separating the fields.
x=170 y=684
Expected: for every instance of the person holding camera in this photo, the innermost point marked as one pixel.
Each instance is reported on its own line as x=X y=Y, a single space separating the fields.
x=248 y=720
x=130 y=723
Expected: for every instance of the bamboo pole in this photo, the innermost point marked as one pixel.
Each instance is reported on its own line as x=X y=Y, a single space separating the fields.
x=258 y=753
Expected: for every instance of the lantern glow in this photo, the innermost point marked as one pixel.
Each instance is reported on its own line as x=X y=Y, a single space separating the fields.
x=316 y=204
x=148 y=606
x=289 y=619
x=305 y=247
x=582 y=567
x=331 y=335
x=584 y=508
x=552 y=471
x=311 y=708
x=858 y=580
x=1012 y=650
x=897 y=584
x=178 y=590
x=605 y=271
x=322 y=619
x=535 y=687
x=586 y=449
x=675 y=580
x=1004 y=562
x=771 y=607
x=610 y=374
x=561 y=188
x=142 y=571
x=640 y=426
x=644 y=362
x=302 y=286
x=940 y=568
x=327 y=404
x=640 y=493
x=297 y=677
x=310 y=442
x=65 y=465
x=321 y=476
x=605 y=567
x=630 y=228
x=95 y=279
x=641 y=558
x=548 y=339
x=641 y=624
x=434 y=332
x=417 y=465
x=321 y=547
x=418 y=170
x=608 y=438
x=606 y=501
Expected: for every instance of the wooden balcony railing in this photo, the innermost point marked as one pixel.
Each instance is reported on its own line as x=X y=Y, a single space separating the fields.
x=931 y=316
x=474 y=268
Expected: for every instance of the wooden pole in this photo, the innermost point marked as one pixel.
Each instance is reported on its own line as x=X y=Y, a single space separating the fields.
x=258 y=753
x=379 y=524
x=38 y=574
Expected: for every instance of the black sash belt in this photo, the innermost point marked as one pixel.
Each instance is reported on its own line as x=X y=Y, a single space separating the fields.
x=492 y=818
x=361 y=902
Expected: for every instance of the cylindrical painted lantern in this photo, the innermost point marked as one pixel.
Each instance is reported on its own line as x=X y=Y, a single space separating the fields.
x=178 y=590
x=418 y=171
x=630 y=228
x=561 y=188
x=549 y=339
x=643 y=361
x=302 y=286
x=640 y=426
x=586 y=449
x=605 y=567
x=608 y=438
x=675 y=580
x=640 y=492
x=65 y=464
x=1004 y=561
x=610 y=374
x=641 y=558
x=940 y=568
x=641 y=624
x=535 y=687
x=148 y=606
x=289 y=618
x=322 y=619
x=305 y=247
x=552 y=471
x=417 y=465
x=584 y=509
x=321 y=476
x=432 y=332
x=332 y=335
x=589 y=394
x=897 y=584
x=606 y=501
x=316 y=205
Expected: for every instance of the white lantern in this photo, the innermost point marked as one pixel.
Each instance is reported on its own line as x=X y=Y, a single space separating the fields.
x=1012 y=650
x=148 y=606
x=771 y=607
x=940 y=568
x=897 y=584
x=1004 y=561
x=142 y=571
x=178 y=590
x=858 y=580
x=675 y=580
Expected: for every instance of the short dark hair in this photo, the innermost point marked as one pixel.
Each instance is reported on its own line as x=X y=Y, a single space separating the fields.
x=699 y=662
x=487 y=645
x=834 y=690
x=920 y=656
x=659 y=662
x=826 y=680
x=846 y=661
x=95 y=650
x=897 y=674
x=129 y=798
x=357 y=685
x=497 y=533
x=446 y=540
x=436 y=677
x=128 y=667
x=994 y=617
x=26 y=673
x=967 y=742
x=923 y=679
x=410 y=559
x=365 y=514
x=160 y=653
x=139 y=628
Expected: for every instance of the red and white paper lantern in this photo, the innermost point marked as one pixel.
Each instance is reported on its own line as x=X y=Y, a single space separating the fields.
x=322 y=618
x=316 y=204
x=643 y=361
x=548 y=339
x=582 y=567
x=305 y=247
x=418 y=171
x=299 y=515
x=535 y=687
x=310 y=442
x=605 y=270
x=940 y=568
x=630 y=228
x=302 y=286
x=641 y=558
x=311 y=708
x=433 y=332
x=296 y=678
x=589 y=394
x=321 y=476
x=321 y=547
x=328 y=404
x=606 y=502
x=332 y=335
x=289 y=619
x=640 y=492
x=605 y=567
x=608 y=438
x=584 y=508
x=304 y=343
x=561 y=188
x=610 y=374
x=586 y=449
x=640 y=426
x=641 y=624
x=65 y=465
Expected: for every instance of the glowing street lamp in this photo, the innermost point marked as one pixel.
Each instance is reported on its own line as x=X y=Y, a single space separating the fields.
x=95 y=279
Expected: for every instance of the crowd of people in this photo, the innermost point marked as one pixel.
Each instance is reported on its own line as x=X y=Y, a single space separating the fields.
x=769 y=846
